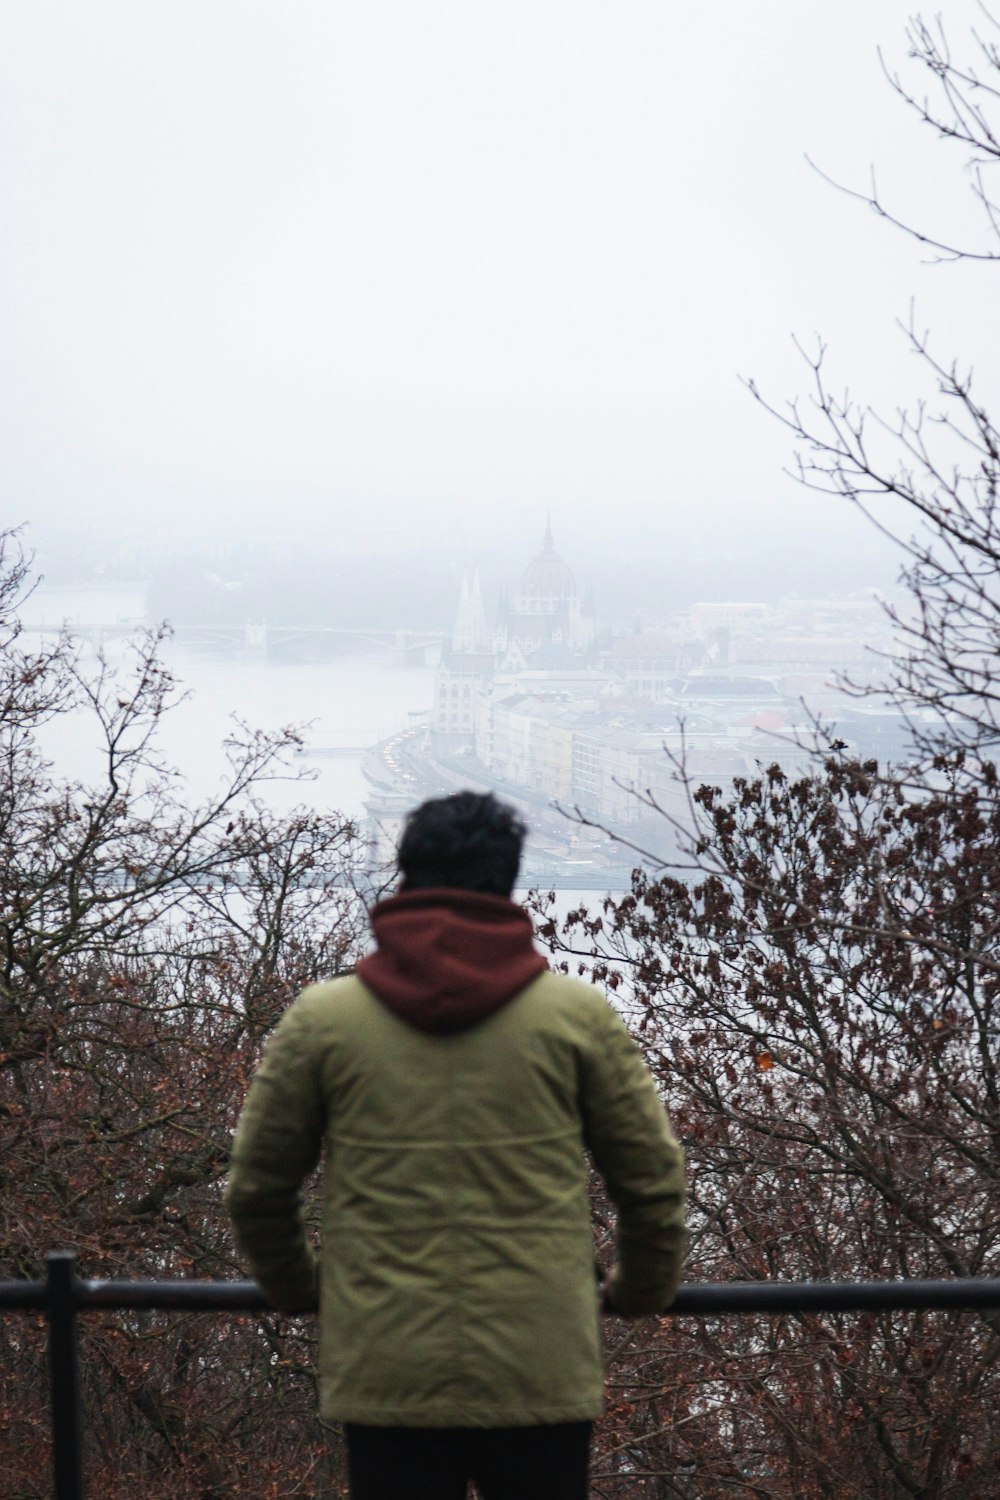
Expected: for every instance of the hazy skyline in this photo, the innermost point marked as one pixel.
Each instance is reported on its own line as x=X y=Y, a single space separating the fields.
x=408 y=275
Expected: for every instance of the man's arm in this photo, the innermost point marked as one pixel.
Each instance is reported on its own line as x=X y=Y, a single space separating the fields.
x=636 y=1152
x=276 y=1146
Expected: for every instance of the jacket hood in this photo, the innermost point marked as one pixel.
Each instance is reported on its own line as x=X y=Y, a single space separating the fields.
x=448 y=958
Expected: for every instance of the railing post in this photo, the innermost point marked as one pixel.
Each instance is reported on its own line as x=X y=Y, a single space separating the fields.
x=64 y=1374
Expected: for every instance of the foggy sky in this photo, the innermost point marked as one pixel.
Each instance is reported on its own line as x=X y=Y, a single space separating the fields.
x=411 y=272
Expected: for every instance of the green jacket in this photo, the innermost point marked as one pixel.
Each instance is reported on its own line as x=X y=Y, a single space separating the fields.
x=456 y=1271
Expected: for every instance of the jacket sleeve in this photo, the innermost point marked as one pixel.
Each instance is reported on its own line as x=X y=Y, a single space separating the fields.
x=277 y=1144
x=629 y=1135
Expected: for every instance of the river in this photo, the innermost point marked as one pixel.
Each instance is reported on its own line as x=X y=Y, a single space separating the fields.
x=346 y=704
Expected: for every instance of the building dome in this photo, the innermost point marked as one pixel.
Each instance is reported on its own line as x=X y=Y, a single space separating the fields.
x=547 y=582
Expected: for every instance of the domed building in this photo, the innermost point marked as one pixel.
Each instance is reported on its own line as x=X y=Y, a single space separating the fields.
x=547 y=584
x=542 y=626
x=544 y=623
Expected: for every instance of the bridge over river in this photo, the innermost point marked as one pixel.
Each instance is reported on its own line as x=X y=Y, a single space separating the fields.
x=289 y=642
x=295 y=642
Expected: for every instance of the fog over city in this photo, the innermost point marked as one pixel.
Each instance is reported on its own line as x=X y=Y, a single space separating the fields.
x=323 y=326
x=588 y=405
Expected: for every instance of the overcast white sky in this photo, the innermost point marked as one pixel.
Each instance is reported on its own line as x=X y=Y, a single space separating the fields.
x=412 y=271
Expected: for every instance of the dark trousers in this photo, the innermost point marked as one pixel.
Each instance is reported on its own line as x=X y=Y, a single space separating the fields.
x=438 y=1463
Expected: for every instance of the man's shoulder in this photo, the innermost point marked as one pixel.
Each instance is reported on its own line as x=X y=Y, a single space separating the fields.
x=576 y=998
x=567 y=987
x=323 y=1003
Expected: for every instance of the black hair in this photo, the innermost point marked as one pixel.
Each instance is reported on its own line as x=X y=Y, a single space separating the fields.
x=469 y=841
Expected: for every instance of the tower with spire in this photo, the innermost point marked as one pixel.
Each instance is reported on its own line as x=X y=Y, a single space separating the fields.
x=470 y=633
x=539 y=625
x=465 y=672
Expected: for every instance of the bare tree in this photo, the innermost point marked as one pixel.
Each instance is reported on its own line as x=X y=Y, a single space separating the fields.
x=935 y=464
x=822 y=1006
x=812 y=967
x=146 y=948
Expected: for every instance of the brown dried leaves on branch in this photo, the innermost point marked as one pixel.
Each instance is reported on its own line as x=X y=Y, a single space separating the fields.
x=822 y=1007
x=813 y=974
x=146 y=948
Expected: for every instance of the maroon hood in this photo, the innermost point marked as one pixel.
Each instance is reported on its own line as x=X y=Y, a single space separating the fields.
x=448 y=958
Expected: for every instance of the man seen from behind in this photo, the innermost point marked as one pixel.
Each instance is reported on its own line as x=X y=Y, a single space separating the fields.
x=454 y=1086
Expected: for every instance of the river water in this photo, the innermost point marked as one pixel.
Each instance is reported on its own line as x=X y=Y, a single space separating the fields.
x=346 y=704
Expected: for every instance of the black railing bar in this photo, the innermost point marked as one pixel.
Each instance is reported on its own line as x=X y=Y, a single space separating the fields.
x=694 y=1299
x=206 y=1296
x=63 y=1295
x=708 y=1299
x=30 y=1295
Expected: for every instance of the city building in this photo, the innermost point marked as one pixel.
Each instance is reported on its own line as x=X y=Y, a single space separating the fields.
x=526 y=702
x=541 y=627
x=544 y=622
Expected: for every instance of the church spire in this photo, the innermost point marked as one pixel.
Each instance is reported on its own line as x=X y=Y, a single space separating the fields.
x=469 y=633
x=548 y=532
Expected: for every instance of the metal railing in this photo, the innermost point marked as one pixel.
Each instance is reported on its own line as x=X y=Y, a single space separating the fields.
x=63 y=1294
